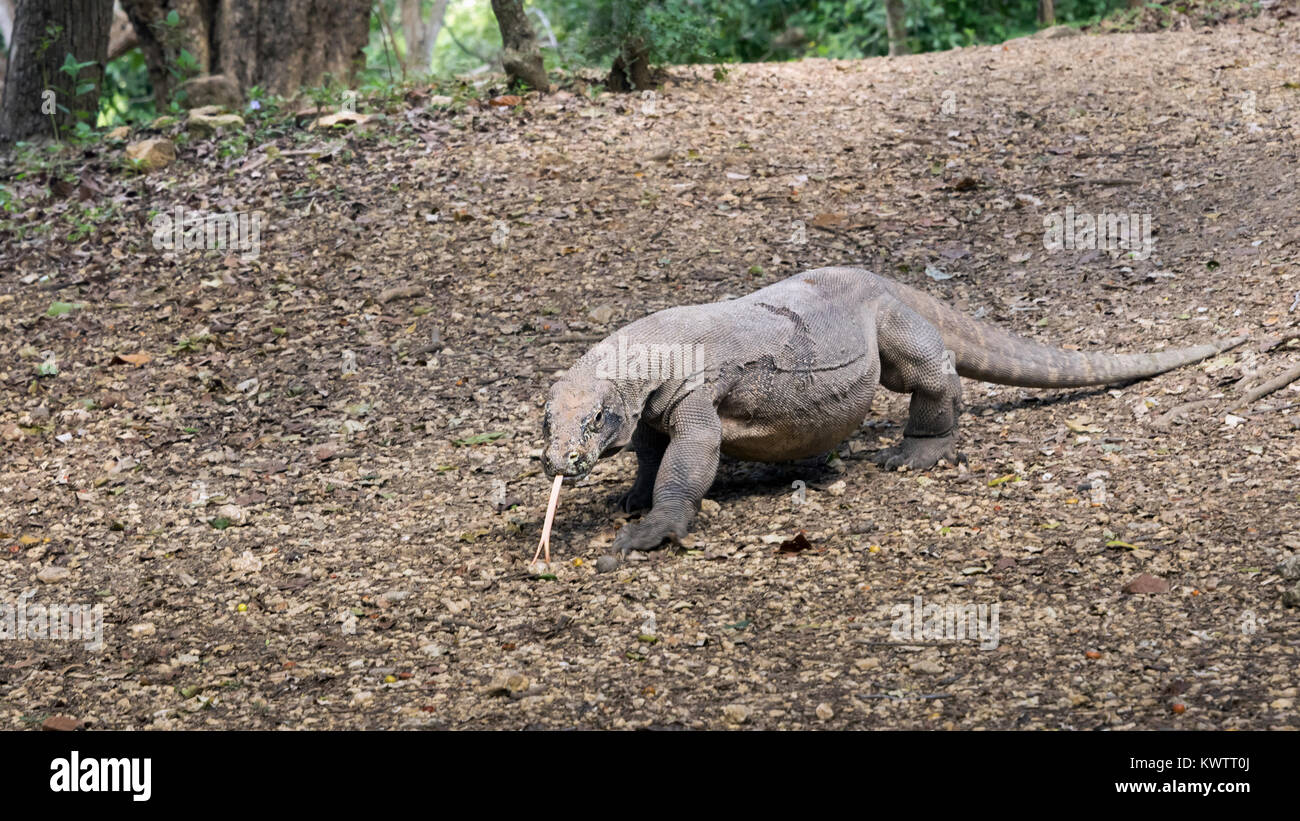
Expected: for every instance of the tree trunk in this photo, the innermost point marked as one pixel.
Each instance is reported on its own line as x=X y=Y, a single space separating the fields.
x=37 y=95
x=631 y=68
x=7 y=22
x=283 y=45
x=162 y=44
x=896 y=25
x=278 y=45
x=521 y=57
x=7 y=32
x=1046 y=13
x=421 y=35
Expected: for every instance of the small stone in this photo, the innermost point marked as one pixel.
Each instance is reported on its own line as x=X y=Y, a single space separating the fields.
x=1290 y=567
x=246 y=562
x=506 y=684
x=932 y=668
x=602 y=314
x=144 y=628
x=401 y=292
x=119 y=133
x=53 y=574
x=341 y=118
x=867 y=664
x=708 y=507
x=838 y=488
x=237 y=515
x=736 y=713
x=607 y=563
x=433 y=650
x=152 y=154
x=1005 y=563
x=208 y=119
x=825 y=712
x=1146 y=583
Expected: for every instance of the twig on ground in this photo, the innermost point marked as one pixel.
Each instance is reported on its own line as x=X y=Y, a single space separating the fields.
x=1276 y=383
x=1274 y=409
x=1166 y=419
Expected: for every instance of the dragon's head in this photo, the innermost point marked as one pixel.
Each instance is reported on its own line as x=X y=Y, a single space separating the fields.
x=583 y=422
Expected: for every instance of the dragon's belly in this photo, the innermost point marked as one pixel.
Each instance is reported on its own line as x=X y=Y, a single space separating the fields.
x=787 y=416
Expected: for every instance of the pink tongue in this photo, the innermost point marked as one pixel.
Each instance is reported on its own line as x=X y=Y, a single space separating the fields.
x=545 y=543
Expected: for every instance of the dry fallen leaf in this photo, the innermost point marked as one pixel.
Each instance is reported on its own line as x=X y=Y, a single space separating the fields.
x=137 y=359
x=1081 y=425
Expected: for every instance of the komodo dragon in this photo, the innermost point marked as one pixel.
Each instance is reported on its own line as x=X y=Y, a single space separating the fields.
x=786 y=373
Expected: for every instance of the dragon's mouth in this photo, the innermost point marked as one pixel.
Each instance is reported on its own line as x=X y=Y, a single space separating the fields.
x=576 y=471
x=575 y=475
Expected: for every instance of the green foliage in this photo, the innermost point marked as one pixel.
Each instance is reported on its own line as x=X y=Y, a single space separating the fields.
x=684 y=31
x=125 y=98
x=676 y=31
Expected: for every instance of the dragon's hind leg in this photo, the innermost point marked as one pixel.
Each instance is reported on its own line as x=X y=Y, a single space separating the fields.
x=913 y=360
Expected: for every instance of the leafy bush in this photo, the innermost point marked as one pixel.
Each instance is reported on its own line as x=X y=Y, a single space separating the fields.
x=685 y=31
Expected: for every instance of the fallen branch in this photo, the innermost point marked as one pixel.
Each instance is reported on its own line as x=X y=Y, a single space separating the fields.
x=1276 y=383
x=1101 y=181
x=1168 y=418
x=1274 y=409
x=1272 y=343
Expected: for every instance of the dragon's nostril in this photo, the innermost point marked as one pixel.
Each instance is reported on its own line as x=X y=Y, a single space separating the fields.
x=573 y=456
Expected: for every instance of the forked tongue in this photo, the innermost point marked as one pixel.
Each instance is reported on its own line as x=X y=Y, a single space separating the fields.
x=545 y=543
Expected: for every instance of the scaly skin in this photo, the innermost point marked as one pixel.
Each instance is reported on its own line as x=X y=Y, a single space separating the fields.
x=789 y=372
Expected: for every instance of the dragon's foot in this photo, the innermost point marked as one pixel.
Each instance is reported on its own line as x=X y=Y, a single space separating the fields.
x=648 y=534
x=919 y=452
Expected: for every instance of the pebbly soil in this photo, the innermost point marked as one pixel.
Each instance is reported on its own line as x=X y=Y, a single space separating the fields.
x=280 y=543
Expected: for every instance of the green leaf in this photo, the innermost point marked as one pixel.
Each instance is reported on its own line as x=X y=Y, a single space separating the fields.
x=173 y=19
x=62 y=308
x=480 y=438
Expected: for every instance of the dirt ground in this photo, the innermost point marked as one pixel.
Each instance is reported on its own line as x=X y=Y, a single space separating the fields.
x=280 y=543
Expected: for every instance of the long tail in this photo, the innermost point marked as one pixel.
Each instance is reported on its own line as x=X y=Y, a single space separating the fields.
x=991 y=355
